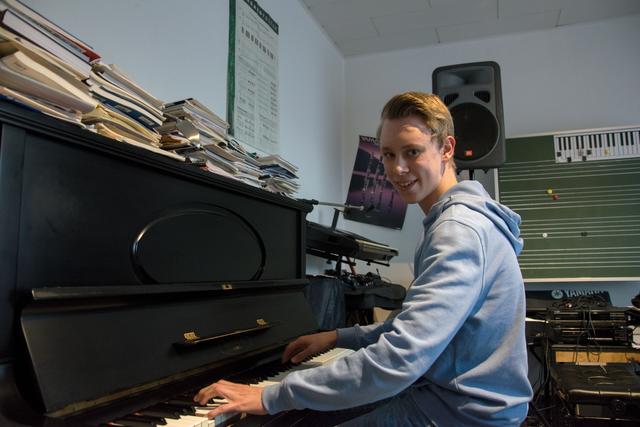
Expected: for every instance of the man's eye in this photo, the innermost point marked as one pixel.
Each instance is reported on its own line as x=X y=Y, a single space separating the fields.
x=413 y=153
x=387 y=155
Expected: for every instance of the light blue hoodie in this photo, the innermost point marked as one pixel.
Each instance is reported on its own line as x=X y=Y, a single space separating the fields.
x=459 y=340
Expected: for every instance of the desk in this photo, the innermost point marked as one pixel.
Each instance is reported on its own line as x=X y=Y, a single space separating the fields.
x=594 y=354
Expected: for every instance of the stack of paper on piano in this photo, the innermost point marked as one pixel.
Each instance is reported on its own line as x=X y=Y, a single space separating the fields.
x=25 y=22
x=117 y=95
x=110 y=85
x=20 y=72
x=209 y=125
x=278 y=175
x=32 y=76
x=280 y=185
x=121 y=98
x=120 y=124
x=233 y=160
x=47 y=69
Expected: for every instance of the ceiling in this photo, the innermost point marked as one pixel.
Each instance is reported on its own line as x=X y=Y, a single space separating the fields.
x=368 y=26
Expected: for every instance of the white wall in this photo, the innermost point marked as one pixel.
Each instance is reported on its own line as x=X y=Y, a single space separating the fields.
x=566 y=78
x=574 y=77
x=178 y=49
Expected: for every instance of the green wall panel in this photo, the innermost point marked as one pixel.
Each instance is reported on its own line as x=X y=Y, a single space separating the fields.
x=591 y=228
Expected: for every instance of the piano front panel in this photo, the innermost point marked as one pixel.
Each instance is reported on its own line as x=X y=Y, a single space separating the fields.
x=82 y=202
x=79 y=209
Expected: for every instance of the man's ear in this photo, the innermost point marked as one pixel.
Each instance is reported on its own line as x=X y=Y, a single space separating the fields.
x=448 y=148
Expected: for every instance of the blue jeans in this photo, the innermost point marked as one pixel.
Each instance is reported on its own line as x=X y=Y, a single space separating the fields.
x=400 y=410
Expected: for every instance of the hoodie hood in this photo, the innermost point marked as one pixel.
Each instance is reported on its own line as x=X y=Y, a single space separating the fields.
x=472 y=195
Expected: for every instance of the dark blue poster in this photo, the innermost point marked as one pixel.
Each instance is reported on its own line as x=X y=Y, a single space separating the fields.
x=370 y=188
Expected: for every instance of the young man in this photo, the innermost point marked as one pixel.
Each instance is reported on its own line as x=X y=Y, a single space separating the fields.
x=456 y=353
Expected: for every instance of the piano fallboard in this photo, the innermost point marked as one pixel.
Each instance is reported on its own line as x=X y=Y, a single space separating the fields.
x=89 y=351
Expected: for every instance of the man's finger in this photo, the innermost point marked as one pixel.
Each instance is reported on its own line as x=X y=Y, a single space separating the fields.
x=216 y=389
x=222 y=409
x=292 y=349
x=204 y=395
x=301 y=356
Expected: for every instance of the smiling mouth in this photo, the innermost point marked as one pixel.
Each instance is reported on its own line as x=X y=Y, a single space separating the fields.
x=405 y=185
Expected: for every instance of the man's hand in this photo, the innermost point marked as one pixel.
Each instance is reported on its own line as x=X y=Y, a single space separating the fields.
x=308 y=345
x=240 y=398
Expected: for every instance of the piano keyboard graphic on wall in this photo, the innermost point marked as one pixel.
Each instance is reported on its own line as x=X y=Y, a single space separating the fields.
x=585 y=146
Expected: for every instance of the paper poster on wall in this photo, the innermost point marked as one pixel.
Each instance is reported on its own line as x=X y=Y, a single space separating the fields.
x=252 y=98
x=370 y=188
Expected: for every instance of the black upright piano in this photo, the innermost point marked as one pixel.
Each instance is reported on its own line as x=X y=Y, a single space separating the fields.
x=127 y=278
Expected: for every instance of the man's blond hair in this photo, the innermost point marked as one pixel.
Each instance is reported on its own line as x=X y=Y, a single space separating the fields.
x=426 y=106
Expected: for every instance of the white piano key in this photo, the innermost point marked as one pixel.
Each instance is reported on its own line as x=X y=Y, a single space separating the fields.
x=318 y=360
x=187 y=421
x=329 y=356
x=218 y=420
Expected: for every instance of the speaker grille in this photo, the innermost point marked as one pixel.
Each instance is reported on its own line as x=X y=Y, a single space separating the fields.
x=448 y=100
x=476 y=131
x=483 y=95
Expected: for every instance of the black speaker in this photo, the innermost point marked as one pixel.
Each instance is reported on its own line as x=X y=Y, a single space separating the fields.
x=473 y=94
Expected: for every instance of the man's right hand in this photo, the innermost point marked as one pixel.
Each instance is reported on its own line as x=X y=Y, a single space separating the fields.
x=308 y=345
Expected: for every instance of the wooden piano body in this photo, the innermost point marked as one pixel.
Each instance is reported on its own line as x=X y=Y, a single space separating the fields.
x=113 y=258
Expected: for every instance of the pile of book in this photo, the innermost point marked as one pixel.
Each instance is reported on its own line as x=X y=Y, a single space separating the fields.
x=47 y=69
x=37 y=71
x=210 y=127
x=279 y=175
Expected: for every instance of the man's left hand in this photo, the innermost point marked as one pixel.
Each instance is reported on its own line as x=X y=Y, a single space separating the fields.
x=240 y=398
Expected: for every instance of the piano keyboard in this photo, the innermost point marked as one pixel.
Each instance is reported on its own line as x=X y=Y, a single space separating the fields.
x=182 y=411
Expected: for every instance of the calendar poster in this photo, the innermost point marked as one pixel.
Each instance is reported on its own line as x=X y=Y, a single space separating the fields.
x=252 y=99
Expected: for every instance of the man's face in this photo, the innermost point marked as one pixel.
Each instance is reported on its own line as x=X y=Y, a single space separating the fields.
x=412 y=161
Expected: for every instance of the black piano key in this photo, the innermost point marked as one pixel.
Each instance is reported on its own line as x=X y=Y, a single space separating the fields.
x=180 y=410
x=132 y=423
x=160 y=413
x=152 y=421
x=181 y=402
x=147 y=417
x=186 y=409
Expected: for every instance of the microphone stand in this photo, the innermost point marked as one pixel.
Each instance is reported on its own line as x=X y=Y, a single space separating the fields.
x=336 y=212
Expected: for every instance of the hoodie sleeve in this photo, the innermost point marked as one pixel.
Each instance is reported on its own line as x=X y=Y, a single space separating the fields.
x=441 y=298
x=358 y=336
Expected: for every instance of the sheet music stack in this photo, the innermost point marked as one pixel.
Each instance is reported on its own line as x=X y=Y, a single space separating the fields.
x=45 y=68
x=127 y=106
x=49 y=70
x=208 y=124
x=192 y=130
x=42 y=66
x=279 y=175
